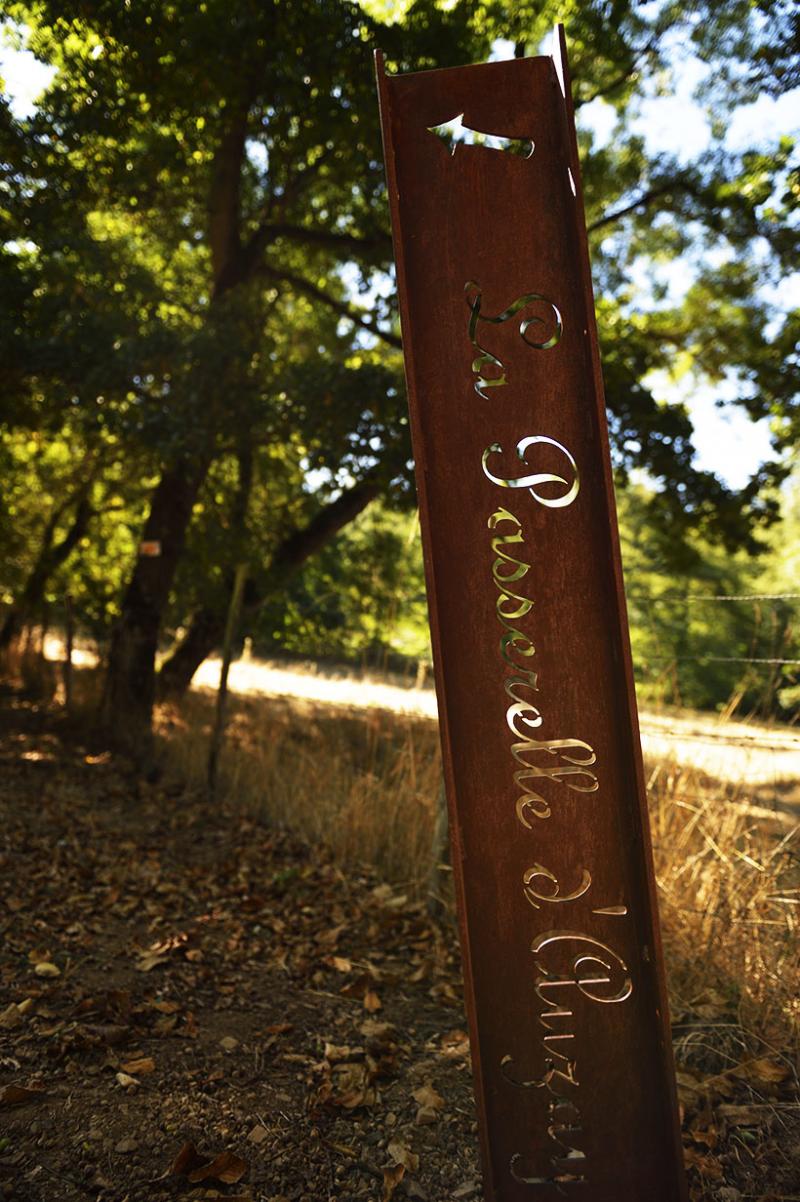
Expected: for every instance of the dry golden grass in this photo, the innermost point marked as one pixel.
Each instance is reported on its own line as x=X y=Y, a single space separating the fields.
x=366 y=784
x=363 y=783
x=728 y=871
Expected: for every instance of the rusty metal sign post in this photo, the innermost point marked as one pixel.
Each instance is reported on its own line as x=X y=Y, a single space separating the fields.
x=551 y=851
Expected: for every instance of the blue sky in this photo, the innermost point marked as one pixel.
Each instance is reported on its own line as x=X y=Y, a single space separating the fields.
x=671 y=121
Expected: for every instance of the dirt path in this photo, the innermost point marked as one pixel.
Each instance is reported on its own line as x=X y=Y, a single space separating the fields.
x=767 y=757
x=760 y=757
x=193 y=1005
x=218 y=984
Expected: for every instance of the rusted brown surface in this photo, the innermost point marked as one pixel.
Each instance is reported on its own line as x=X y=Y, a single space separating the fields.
x=566 y=997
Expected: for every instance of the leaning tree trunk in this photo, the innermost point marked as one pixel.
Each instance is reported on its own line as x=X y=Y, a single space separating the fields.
x=127 y=706
x=202 y=636
x=208 y=623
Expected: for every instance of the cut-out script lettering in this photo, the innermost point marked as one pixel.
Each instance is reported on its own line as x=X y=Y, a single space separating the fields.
x=571 y=967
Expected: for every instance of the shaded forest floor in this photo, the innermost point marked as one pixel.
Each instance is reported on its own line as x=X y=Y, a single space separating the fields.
x=196 y=1005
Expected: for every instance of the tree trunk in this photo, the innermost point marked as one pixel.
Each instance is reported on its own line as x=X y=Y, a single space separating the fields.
x=51 y=557
x=208 y=623
x=127 y=706
x=203 y=635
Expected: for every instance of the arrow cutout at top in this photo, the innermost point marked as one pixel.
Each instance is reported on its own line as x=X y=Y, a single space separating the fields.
x=455 y=132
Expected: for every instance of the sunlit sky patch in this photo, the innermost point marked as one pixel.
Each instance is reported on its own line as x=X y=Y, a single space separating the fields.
x=24 y=79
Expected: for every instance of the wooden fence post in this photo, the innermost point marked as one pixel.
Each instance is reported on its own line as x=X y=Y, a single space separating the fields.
x=232 y=622
x=69 y=639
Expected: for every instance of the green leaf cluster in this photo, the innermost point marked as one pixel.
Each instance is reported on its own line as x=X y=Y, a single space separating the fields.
x=197 y=263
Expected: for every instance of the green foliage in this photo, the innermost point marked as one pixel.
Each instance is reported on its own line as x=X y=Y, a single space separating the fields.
x=196 y=257
x=362 y=596
x=697 y=635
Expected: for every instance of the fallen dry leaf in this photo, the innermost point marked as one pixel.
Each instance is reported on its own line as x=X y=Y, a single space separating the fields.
x=455 y=1044
x=126 y=1081
x=19 y=1095
x=764 y=1070
x=707 y=1135
x=391 y=1179
x=156 y=955
x=149 y=960
x=139 y=1067
x=336 y=1052
x=372 y=1002
x=706 y=1164
x=189 y=1163
x=46 y=968
x=108 y=1033
x=227 y=1167
x=187 y=1159
x=11 y=1017
x=400 y=1154
x=427 y=1096
x=340 y=963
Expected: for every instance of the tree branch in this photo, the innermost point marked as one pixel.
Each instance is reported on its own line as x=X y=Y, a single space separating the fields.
x=207 y=624
x=327 y=239
x=355 y=315
x=641 y=202
x=304 y=542
x=620 y=79
x=224 y=200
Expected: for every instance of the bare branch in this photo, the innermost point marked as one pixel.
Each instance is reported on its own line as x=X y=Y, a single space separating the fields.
x=641 y=202
x=357 y=316
x=311 y=236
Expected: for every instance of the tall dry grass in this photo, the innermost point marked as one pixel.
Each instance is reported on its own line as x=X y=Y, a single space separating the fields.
x=728 y=872
x=366 y=783
x=363 y=783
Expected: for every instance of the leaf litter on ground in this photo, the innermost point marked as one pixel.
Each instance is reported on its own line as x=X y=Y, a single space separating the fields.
x=253 y=995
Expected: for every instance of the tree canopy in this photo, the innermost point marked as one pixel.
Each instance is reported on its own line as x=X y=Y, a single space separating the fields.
x=202 y=348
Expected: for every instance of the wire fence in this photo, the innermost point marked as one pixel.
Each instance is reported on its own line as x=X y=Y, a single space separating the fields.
x=761 y=760
x=770 y=652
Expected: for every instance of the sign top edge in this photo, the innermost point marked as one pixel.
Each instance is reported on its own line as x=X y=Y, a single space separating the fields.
x=508 y=64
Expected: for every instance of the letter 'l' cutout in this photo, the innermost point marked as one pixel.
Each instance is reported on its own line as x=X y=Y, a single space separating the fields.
x=563 y=975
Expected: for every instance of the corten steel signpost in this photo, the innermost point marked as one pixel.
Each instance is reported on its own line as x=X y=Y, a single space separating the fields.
x=564 y=979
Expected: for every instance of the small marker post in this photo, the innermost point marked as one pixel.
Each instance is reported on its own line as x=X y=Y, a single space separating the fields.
x=69 y=640
x=231 y=624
